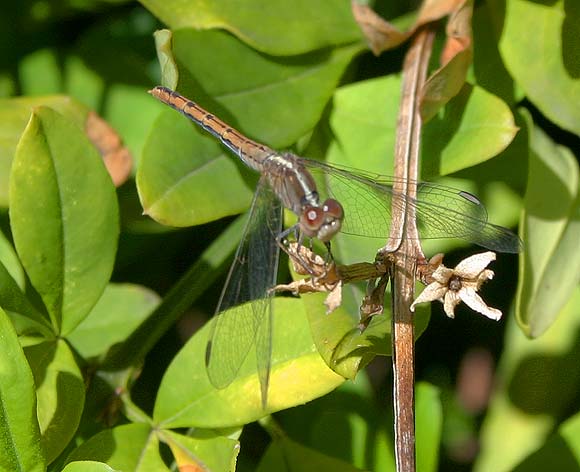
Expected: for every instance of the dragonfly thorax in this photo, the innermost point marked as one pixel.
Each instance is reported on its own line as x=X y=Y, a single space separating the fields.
x=322 y=222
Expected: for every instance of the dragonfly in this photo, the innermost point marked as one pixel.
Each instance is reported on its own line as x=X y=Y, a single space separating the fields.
x=326 y=199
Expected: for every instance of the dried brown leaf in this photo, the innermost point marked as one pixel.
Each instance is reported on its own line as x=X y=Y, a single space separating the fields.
x=433 y=10
x=380 y=34
x=117 y=158
x=374 y=301
x=447 y=81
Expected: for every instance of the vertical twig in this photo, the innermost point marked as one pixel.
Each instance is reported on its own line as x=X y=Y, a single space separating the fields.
x=404 y=244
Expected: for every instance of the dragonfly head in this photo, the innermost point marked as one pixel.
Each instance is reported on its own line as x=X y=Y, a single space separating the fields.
x=322 y=222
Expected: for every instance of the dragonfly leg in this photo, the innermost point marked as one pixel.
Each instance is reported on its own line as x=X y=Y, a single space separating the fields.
x=300 y=255
x=329 y=257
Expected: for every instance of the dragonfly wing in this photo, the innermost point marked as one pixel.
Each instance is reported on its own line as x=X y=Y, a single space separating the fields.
x=367 y=205
x=444 y=212
x=441 y=212
x=264 y=350
x=243 y=315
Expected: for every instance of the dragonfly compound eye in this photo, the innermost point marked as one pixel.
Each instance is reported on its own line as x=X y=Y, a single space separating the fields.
x=311 y=220
x=333 y=209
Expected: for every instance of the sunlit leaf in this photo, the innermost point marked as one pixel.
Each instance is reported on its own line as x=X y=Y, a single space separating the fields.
x=203 y=450
x=18 y=423
x=87 y=466
x=338 y=336
x=140 y=449
x=57 y=176
x=363 y=122
x=550 y=265
x=539 y=45
x=121 y=308
x=272 y=26
x=272 y=100
x=60 y=391
x=186 y=178
x=474 y=127
x=14 y=115
x=298 y=374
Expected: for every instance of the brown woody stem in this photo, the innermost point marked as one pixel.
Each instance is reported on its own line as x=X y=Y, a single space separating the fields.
x=408 y=250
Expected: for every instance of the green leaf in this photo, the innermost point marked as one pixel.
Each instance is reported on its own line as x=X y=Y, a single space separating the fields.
x=182 y=295
x=20 y=444
x=474 y=127
x=87 y=466
x=169 y=70
x=363 y=123
x=132 y=114
x=10 y=261
x=25 y=316
x=276 y=101
x=60 y=392
x=185 y=178
x=287 y=455
x=139 y=451
x=40 y=73
x=428 y=425
x=364 y=118
x=14 y=115
x=114 y=84
x=337 y=335
x=298 y=374
x=561 y=451
x=63 y=215
x=12 y=299
x=276 y=27
x=119 y=311
x=539 y=45
x=537 y=383
x=346 y=424
x=205 y=450
x=550 y=265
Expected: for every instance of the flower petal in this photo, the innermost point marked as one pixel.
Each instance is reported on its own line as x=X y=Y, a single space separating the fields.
x=484 y=277
x=334 y=298
x=451 y=301
x=476 y=303
x=442 y=274
x=471 y=267
x=431 y=292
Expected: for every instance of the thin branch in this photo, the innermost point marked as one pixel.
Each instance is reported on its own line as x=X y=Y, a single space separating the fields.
x=404 y=243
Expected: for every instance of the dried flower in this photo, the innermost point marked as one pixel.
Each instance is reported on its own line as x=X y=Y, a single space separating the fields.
x=451 y=286
x=323 y=276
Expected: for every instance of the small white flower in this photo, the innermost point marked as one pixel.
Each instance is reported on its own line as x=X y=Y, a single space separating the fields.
x=451 y=286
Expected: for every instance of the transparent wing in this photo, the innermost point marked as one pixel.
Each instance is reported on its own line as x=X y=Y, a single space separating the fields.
x=243 y=315
x=442 y=212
